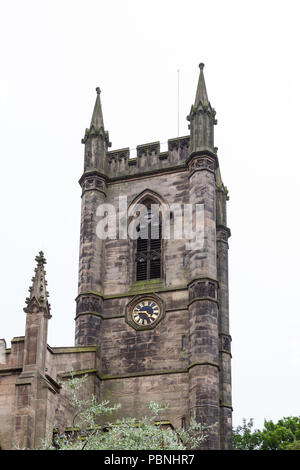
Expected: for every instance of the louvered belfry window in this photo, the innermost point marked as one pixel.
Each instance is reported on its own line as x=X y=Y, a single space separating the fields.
x=148 y=251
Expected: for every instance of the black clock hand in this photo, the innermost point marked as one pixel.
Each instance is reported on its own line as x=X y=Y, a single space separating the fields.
x=144 y=311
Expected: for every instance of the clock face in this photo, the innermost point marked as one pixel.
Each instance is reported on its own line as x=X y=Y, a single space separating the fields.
x=145 y=312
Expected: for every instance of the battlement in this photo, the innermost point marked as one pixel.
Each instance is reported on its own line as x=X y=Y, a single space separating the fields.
x=148 y=157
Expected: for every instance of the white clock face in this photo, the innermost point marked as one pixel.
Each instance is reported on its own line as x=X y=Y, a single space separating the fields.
x=145 y=312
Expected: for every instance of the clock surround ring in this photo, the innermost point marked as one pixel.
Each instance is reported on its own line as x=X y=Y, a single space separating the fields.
x=155 y=313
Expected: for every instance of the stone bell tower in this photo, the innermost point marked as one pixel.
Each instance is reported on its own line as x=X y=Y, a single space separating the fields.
x=158 y=312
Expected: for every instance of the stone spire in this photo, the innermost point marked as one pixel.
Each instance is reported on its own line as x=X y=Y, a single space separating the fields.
x=97 y=118
x=202 y=118
x=201 y=95
x=37 y=300
x=96 y=140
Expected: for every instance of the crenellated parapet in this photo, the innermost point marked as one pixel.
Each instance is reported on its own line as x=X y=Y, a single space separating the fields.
x=117 y=161
x=149 y=158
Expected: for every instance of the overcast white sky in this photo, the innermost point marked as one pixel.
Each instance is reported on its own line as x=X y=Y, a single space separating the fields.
x=54 y=54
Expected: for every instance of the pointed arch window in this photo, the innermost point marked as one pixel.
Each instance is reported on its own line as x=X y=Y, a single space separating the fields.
x=148 y=250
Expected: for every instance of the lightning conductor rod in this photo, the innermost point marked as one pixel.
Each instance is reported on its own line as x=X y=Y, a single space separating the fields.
x=177 y=102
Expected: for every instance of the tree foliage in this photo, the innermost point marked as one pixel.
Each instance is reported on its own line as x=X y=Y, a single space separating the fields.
x=283 y=435
x=121 y=434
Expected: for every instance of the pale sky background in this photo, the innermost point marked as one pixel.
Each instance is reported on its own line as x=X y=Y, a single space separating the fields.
x=55 y=53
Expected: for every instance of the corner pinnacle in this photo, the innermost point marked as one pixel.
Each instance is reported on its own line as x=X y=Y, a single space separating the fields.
x=97 y=118
x=201 y=95
x=37 y=292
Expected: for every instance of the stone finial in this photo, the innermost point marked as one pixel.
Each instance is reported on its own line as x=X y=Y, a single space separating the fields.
x=40 y=259
x=37 y=292
x=98 y=90
x=201 y=66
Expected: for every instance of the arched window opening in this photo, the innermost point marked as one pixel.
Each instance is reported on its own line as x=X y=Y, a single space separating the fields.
x=148 y=250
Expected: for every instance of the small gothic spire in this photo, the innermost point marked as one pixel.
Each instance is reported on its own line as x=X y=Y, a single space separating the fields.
x=37 y=292
x=201 y=95
x=97 y=118
x=97 y=124
x=202 y=118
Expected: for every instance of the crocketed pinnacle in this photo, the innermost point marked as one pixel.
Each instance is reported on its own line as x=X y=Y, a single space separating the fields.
x=97 y=124
x=201 y=103
x=37 y=292
x=97 y=118
x=202 y=119
x=201 y=95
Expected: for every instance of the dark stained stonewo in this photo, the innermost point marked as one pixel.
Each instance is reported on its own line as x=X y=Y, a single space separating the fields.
x=183 y=358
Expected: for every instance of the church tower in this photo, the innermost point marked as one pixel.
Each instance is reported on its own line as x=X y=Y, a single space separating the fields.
x=154 y=304
x=152 y=316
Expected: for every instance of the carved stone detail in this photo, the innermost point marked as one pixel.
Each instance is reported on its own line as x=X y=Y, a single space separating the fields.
x=225 y=343
x=148 y=149
x=200 y=163
x=180 y=143
x=223 y=233
x=117 y=154
x=203 y=289
x=118 y=161
x=92 y=183
x=89 y=303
